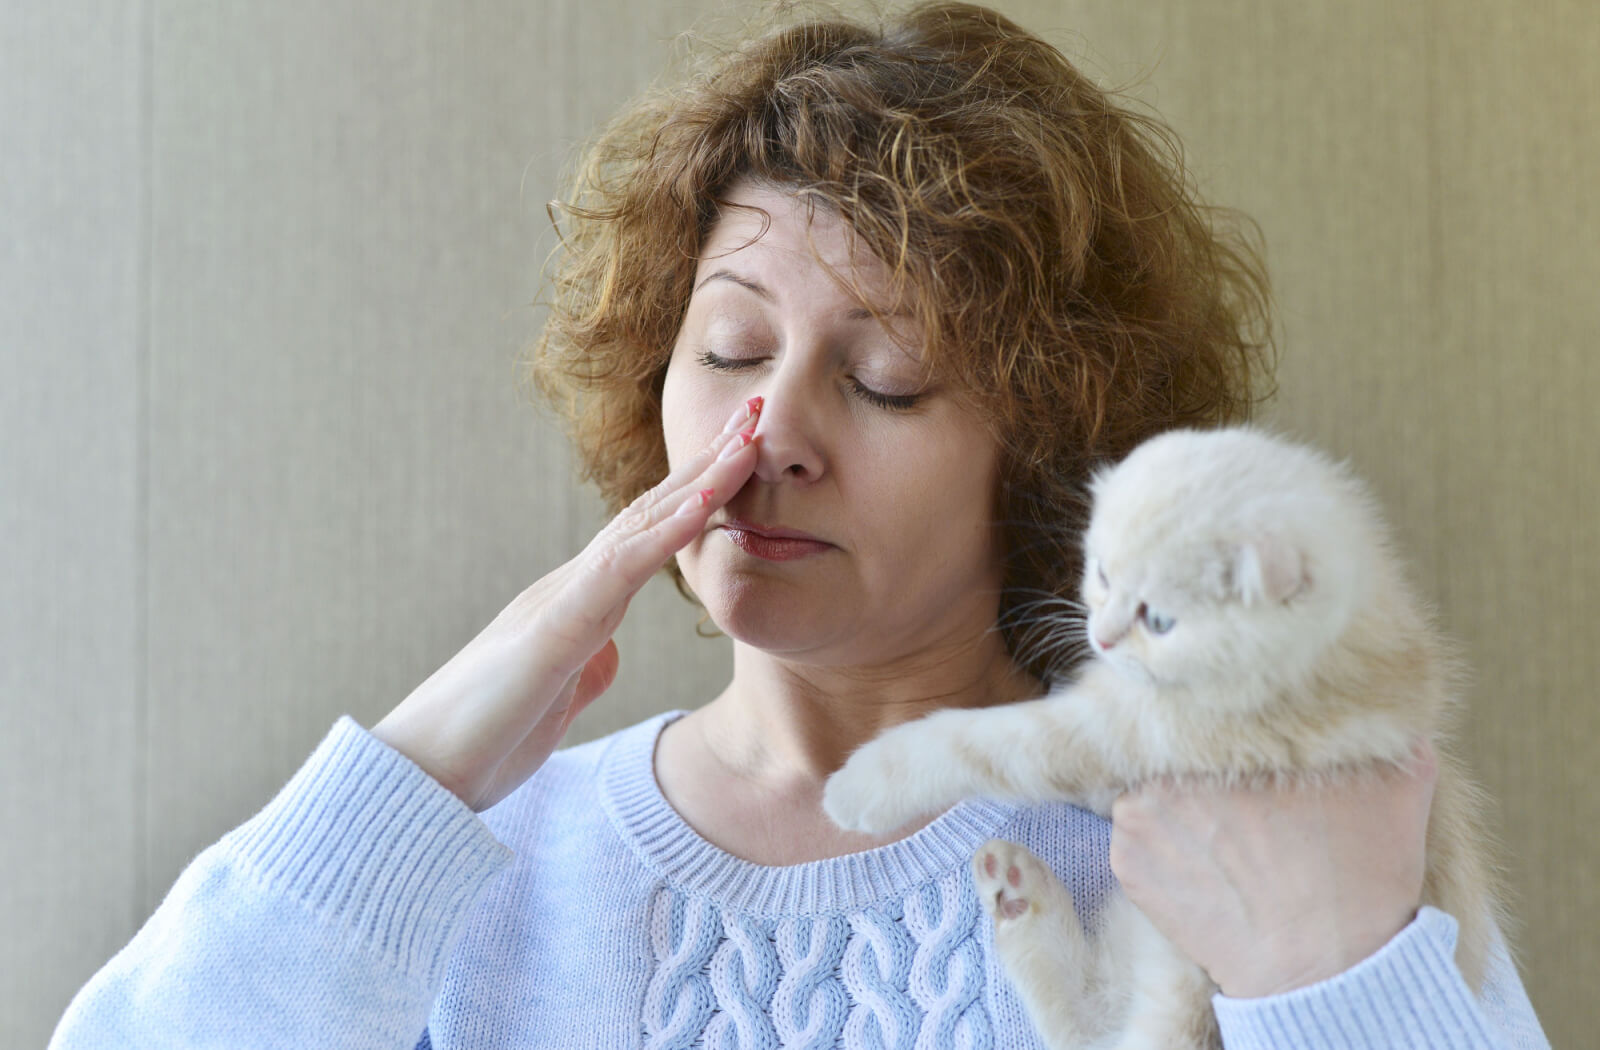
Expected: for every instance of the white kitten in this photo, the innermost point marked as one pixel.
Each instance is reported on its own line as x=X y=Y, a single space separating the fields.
x=1248 y=620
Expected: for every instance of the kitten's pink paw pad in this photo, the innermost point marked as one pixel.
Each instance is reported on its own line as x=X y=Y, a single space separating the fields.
x=1011 y=881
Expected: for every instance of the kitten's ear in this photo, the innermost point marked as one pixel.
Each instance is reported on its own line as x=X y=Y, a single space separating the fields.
x=1267 y=569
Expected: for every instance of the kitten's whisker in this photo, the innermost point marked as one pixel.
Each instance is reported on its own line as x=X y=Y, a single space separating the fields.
x=1034 y=613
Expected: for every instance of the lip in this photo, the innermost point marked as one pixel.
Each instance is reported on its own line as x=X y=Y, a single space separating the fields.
x=773 y=542
x=771 y=532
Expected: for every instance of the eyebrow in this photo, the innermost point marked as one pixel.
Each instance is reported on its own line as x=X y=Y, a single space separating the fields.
x=742 y=282
x=857 y=314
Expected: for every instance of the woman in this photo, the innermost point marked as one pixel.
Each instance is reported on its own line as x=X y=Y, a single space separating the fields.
x=873 y=303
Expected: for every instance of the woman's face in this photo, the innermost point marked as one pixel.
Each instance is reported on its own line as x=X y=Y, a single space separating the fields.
x=888 y=484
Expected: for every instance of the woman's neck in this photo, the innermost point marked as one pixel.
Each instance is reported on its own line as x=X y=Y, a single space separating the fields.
x=781 y=722
x=747 y=770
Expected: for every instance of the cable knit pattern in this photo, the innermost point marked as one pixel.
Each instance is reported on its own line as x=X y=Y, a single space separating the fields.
x=888 y=979
x=810 y=1005
x=947 y=972
x=877 y=968
x=680 y=998
x=744 y=974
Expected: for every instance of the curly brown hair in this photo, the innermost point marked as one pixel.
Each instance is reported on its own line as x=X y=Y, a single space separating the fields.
x=1047 y=238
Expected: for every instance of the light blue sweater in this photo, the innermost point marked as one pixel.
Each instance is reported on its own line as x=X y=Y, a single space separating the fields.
x=366 y=907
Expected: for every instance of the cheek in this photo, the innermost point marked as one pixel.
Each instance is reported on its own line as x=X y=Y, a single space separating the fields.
x=928 y=515
x=1163 y=656
x=949 y=494
x=1192 y=652
x=690 y=410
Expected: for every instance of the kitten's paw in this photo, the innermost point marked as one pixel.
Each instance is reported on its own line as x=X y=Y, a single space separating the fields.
x=870 y=793
x=1014 y=884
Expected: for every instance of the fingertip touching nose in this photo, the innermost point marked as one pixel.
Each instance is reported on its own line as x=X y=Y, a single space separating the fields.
x=787 y=449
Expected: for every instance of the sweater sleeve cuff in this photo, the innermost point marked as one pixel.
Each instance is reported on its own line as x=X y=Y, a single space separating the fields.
x=1408 y=994
x=362 y=837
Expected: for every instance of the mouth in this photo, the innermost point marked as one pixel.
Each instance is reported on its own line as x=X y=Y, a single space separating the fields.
x=1129 y=666
x=772 y=542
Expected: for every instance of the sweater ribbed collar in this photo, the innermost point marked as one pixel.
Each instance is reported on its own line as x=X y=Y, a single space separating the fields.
x=840 y=885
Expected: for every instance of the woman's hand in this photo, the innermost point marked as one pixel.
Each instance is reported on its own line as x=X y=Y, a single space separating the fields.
x=1270 y=889
x=486 y=720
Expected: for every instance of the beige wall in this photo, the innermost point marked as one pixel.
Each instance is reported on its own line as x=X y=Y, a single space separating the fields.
x=267 y=267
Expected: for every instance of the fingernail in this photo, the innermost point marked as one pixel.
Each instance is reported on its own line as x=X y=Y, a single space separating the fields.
x=748 y=411
x=736 y=421
x=734 y=447
x=695 y=502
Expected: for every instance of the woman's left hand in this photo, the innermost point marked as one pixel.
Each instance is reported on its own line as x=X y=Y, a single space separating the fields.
x=1270 y=889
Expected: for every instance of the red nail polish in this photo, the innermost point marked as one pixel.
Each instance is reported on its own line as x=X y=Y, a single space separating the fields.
x=738 y=443
x=754 y=404
x=705 y=496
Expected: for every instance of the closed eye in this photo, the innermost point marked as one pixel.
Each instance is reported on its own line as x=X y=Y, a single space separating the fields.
x=718 y=363
x=894 y=402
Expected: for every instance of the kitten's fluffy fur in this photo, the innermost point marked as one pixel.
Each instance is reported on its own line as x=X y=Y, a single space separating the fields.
x=1259 y=627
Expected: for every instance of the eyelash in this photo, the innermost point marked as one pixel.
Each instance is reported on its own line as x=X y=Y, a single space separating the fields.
x=893 y=402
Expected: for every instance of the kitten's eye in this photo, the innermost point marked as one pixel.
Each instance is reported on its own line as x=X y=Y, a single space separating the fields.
x=1157 y=623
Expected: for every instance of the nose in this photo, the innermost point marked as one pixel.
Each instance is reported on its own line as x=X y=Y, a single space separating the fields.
x=790 y=430
x=1104 y=635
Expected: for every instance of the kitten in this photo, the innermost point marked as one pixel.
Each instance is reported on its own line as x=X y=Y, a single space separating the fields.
x=1248 y=620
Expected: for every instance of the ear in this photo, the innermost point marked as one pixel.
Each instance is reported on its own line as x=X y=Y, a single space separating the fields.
x=1267 y=569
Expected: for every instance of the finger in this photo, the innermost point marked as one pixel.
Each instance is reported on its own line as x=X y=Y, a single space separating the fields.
x=1424 y=759
x=1423 y=769
x=587 y=685
x=678 y=481
x=565 y=696
x=624 y=558
x=1130 y=808
x=687 y=479
x=1119 y=808
x=631 y=550
x=597 y=676
x=1124 y=852
x=673 y=523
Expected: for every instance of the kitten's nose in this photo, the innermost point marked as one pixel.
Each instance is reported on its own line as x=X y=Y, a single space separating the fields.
x=1106 y=641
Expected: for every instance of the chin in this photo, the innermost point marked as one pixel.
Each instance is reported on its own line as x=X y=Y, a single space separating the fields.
x=763 y=614
x=778 y=617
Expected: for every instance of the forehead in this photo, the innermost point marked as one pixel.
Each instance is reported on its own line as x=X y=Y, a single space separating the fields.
x=767 y=231
x=1131 y=529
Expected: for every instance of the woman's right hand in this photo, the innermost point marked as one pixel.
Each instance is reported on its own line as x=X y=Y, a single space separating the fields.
x=486 y=720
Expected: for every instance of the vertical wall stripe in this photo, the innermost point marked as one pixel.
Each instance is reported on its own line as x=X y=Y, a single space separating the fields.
x=141 y=889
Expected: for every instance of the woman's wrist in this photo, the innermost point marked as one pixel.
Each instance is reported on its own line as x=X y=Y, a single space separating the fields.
x=1305 y=955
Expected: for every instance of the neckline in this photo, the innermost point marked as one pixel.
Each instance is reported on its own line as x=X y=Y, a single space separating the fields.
x=664 y=842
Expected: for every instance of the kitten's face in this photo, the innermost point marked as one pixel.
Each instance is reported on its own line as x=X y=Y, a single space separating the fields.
x=1221 y=558
x=1176 y=616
